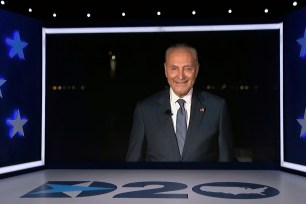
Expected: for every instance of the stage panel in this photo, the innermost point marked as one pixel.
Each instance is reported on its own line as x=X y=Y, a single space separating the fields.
x=153 y=186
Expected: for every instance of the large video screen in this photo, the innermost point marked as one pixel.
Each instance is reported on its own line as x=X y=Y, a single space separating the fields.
x=21 y=93
x=96 y=76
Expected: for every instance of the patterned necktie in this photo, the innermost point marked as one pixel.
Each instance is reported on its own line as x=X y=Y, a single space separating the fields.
x=181 y=125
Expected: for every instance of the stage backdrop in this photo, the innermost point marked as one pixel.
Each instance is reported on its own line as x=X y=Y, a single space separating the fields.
x=96 y=78
x=294 y=103
x=21 y=142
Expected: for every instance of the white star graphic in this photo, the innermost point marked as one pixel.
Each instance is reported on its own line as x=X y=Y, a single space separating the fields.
x=303 y=124
x=302 y=42
x=17 y=124
x=2 y=81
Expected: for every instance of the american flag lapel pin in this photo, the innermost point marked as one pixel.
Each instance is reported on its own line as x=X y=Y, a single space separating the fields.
x=202 y=109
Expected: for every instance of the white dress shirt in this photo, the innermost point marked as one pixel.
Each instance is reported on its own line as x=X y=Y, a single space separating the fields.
x=175 y=106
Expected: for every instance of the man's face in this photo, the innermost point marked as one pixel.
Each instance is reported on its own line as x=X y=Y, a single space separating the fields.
x=181 y=70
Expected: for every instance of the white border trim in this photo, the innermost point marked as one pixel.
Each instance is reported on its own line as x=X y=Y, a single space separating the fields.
x=138 y=29
x=43 y=101
x=293 y=166
x=161 y=29
x=281 y=93
x=18 y=167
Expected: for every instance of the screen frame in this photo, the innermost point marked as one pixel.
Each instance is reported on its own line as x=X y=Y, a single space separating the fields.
x=193 y=28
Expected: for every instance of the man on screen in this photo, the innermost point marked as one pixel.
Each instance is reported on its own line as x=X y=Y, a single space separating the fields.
x=195 y=128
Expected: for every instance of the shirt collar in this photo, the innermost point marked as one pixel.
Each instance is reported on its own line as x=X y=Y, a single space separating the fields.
x=174 y=97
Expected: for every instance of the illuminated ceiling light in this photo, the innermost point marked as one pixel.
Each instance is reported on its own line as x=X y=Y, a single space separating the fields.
x=266 y=10
x=54 y=15
x=2 y=2
x=230 y=11
x=294 y=3
x=88 y=15
x=194 y=12
x=158 y=13
x=123 y=14
x=30 y=10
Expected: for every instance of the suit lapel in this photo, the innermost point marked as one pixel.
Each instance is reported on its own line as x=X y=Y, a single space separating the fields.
x=164 y=114
x=196 y=115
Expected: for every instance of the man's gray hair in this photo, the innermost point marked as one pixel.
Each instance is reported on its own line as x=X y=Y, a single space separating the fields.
x=182 y=46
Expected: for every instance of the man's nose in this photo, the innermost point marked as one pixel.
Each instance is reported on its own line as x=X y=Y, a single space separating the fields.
x=181 y=74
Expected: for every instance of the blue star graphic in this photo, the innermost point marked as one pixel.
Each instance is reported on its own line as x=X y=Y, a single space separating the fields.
x=302 y=42
x=16 y=46
x=17 y=124
x=303 y=124
x=2 y=81
x=59 y=188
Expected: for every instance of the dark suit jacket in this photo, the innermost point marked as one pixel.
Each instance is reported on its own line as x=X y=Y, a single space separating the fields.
x=209 y=135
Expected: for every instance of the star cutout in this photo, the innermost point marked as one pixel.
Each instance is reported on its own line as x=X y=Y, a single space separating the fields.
x=303 y=124
x=17 y=124
x=302 y=42
x=59 y=188
x=16 y=46
x=2 y=81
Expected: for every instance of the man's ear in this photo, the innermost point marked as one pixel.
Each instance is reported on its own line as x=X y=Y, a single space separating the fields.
x=165 y=69
x=198 y=69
